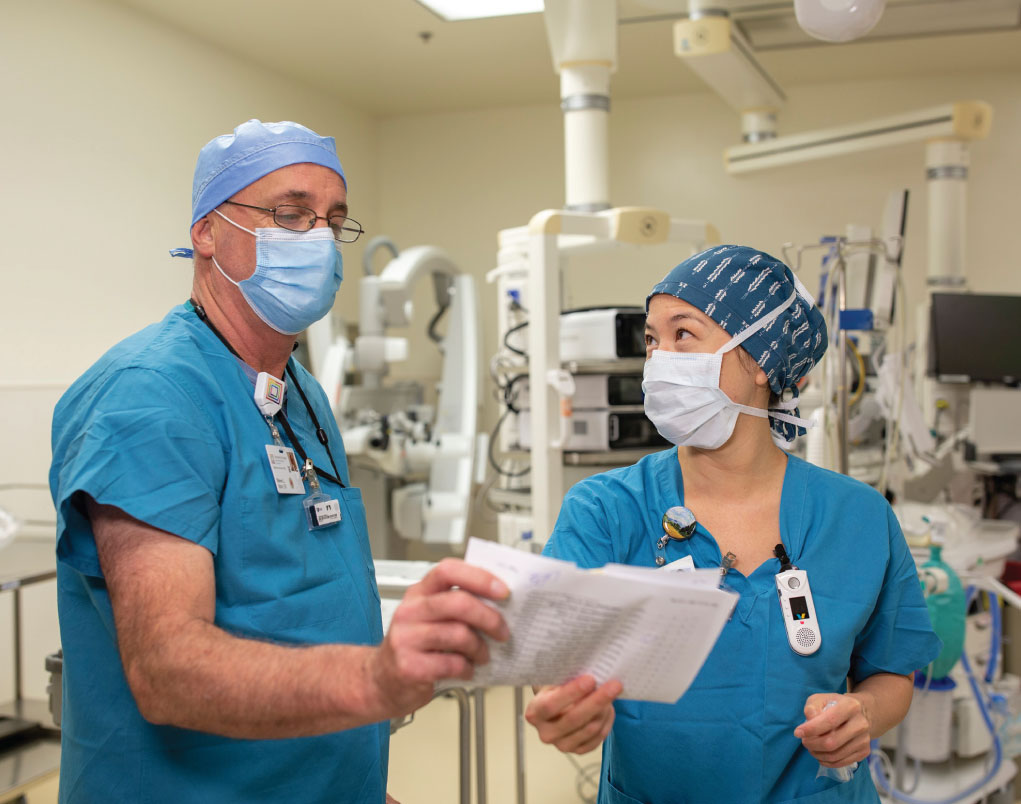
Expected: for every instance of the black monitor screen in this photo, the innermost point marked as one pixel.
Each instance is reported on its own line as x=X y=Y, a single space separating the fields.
x=975 y=337
x=799 y=608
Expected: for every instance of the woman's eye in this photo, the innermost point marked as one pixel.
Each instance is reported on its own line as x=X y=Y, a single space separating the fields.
x=649 y=341
x=682 y=334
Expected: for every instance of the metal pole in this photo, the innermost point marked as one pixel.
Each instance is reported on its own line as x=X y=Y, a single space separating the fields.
x=480 y=745
x=519 y=742
x=464 y=716
x=900 y=762
x=842 y=366
x=17 y=645
x=547 y=475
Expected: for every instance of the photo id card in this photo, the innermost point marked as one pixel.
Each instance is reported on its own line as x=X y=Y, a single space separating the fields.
x=284 y=468
x=321 y=511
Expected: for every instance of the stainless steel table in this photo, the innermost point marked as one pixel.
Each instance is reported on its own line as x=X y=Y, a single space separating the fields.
x=23 y=562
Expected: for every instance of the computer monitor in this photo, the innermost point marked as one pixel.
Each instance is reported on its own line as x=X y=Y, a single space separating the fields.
x=975 y=338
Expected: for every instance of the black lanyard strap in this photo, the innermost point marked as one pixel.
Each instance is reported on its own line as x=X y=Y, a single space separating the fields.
x=301 y=452
x=320 y=432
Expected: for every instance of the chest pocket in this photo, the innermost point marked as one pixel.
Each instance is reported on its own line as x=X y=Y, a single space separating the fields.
x=307 y=586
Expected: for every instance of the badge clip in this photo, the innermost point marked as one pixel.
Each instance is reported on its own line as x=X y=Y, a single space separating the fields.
x=269 y=394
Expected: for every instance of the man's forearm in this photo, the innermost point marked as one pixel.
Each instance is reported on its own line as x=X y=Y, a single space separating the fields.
x=202 y=678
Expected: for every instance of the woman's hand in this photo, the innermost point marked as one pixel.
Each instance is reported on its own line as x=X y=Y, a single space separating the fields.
x=576 y=716
x=837 y=729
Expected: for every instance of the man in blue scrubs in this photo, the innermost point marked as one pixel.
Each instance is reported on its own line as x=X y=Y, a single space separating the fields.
x=729 y=334
x=220 y=622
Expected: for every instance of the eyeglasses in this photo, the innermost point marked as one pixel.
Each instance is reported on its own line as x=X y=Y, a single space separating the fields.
x=302 y=219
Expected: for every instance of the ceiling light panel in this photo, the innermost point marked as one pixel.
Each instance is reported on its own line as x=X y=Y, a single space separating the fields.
x=453 y=10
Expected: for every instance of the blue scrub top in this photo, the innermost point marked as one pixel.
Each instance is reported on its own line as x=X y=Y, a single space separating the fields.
x=164 y=427
x=731 y=736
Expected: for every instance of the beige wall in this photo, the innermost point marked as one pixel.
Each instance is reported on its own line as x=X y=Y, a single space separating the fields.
x=104 y=112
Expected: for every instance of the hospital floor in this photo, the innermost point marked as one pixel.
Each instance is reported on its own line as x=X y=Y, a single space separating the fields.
x=424 y=760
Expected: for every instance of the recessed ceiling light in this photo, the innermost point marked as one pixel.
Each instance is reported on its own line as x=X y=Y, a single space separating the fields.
x=452 y=10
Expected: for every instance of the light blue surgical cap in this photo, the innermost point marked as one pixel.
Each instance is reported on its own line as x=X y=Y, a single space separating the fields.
x=231 y=162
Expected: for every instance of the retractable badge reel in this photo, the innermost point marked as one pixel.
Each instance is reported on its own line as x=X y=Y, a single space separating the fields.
x=283 y=465
x=678 y=524
x=797 y=606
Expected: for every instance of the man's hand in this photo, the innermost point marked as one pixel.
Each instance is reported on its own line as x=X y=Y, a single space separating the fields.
x=837 y=729
x=436 y=633
x=576 y=716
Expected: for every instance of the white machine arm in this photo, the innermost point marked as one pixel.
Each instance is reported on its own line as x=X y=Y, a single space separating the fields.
x=436 y=512
x=403 y=272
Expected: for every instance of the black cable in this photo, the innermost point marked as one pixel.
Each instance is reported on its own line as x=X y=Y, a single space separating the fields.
x=509 y=397
x=431 y=329
x=510 y=332
x=492 y=458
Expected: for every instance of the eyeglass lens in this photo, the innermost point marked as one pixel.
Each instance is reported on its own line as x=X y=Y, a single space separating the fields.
x=301 y=219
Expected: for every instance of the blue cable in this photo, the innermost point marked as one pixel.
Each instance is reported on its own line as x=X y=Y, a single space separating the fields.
x=994 y=648
x=876 y=767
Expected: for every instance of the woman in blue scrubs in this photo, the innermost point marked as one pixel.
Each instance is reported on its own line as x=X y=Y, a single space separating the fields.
x=729 y=334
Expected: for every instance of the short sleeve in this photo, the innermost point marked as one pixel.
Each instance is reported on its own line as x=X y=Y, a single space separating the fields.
x=140 y=443
x=898 y=637
x=582 y=533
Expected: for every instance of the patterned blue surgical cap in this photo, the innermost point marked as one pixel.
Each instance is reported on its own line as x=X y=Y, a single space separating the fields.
x=737 y=285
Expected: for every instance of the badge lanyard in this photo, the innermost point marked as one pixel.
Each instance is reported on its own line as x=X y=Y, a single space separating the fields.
x=321 y=510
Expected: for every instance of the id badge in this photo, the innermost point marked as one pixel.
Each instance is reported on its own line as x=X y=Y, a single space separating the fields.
x=680 y=565
x=284 y=467
x=321 y=511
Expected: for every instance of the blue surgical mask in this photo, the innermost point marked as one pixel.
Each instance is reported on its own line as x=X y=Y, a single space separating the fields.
x=297 y=275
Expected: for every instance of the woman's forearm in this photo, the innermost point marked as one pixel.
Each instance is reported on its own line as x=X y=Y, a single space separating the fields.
x=885 y=699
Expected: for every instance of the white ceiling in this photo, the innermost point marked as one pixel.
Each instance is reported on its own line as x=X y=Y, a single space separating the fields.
x=395 y=57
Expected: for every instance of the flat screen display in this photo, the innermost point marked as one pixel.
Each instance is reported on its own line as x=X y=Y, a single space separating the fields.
x=975 y=337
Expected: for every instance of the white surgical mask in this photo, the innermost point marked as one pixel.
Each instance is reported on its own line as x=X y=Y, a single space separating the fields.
x=683 y=398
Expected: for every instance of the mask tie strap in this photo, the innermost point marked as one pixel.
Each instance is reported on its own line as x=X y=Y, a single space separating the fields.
x=218 y=268
x=232 y=223
x=754 y=327
x=243 y=229
x=795 y=420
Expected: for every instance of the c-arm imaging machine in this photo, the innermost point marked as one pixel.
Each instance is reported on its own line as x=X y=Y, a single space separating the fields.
x=389 y=425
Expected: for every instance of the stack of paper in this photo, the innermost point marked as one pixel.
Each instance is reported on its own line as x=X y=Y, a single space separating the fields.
x=650 y=629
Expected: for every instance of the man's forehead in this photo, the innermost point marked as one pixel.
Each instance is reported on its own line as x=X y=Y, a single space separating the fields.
x=304 y=181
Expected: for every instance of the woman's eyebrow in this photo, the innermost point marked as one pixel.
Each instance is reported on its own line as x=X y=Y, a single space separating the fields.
x=677 y=317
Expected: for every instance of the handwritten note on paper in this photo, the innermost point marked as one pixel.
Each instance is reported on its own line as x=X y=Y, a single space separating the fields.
x=651 y=630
